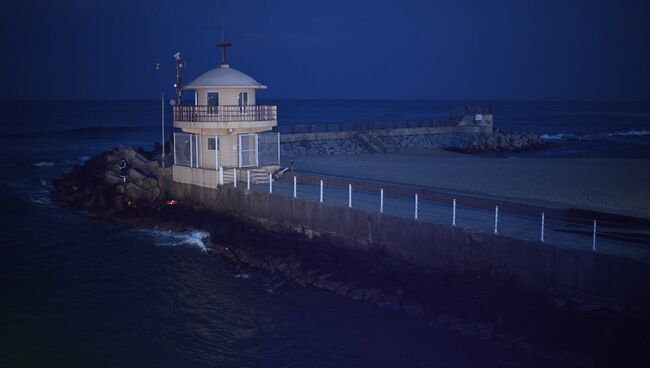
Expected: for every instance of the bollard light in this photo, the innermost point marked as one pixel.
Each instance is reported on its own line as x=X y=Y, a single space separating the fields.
x=453 y=213
x=350 y=195
x=321 y=191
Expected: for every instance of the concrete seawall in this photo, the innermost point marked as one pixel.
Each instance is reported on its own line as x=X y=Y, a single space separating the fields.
x=429 y=245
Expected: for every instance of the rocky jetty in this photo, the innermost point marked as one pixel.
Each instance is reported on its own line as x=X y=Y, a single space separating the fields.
x=377 y=143
x=122 y=180
x=501 y=142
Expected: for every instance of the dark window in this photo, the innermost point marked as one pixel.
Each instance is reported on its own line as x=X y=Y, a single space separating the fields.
x=212 y=145
x=213 y=99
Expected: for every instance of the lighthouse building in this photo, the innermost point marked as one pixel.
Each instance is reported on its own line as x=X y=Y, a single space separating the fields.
x=225 y=135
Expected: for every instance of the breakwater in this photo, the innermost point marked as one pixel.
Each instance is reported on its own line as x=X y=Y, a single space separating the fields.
x=470 y=139
x=482 y=285
x=432 y=245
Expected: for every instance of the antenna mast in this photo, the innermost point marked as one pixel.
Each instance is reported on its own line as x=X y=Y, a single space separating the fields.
x=223 y=45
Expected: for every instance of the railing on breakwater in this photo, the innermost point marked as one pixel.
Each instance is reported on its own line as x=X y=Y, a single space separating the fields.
x=225 y=113
x=598 y=232
x=456 y=117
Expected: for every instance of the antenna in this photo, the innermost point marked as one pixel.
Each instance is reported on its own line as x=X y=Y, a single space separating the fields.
x=180 y=65
x=223 y=24
x=223 y=45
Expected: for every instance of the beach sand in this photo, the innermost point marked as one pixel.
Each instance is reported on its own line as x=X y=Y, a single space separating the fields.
x=605 y=184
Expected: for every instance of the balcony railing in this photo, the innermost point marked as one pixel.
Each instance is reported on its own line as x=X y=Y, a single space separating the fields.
x=225 y=113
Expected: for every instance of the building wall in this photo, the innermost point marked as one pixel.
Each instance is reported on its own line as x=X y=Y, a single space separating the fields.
x=227 y=96
x=207 y=158
x=228 y=151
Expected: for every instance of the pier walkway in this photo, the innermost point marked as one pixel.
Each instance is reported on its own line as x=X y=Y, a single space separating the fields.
x=556 y=233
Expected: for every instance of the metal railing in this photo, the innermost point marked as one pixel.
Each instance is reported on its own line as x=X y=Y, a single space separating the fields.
x=601 y=236
x=225 y=113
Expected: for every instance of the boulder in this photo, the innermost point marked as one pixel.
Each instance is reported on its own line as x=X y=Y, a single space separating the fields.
x=112 y=179
x=135 y=193
x=135 y=177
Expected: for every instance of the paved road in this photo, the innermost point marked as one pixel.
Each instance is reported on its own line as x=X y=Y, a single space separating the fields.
x=556 y=233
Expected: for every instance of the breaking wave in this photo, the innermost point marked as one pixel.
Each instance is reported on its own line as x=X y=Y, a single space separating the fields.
x=197 y=239
x=599 y=136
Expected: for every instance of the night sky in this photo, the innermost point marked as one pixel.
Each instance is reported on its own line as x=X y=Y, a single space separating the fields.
x=334 y=49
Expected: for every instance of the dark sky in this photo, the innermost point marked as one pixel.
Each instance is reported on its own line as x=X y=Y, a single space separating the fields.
x=406 y=49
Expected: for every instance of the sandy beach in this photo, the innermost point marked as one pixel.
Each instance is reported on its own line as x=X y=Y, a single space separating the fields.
x=612 y=185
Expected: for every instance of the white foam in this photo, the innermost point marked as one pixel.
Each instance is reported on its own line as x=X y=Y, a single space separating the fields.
x=44 y=164
x=628 y=133
x=197 y=239
x=557 y=137
x=589 y=137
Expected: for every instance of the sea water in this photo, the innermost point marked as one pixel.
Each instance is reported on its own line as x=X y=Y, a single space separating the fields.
x=75 y=291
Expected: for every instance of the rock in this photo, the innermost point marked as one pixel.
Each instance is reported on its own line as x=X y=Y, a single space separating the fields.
x=120 y=189
x=134 y=176
x=134 y=192
x=111 y=179
x=128 y=153
x=149 y=183
x=118 y=203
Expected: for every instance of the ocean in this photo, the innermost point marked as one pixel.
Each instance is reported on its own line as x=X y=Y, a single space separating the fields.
x=75 y=291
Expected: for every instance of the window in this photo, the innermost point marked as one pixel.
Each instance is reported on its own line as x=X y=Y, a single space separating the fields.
x=213 y=144
x=248 y=150
x=242 y=99
x=213 y=99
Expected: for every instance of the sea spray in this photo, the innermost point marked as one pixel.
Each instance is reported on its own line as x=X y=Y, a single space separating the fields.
x=198 y=238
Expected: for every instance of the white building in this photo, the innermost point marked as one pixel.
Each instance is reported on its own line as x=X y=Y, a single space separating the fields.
x=224 y=133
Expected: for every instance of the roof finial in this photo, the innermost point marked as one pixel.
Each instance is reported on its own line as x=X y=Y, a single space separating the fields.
x=223 y=45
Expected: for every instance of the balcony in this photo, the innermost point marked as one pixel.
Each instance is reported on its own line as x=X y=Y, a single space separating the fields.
x=225 y=116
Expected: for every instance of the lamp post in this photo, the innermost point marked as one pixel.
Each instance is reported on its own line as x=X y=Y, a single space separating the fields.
x=180 y=65
x=162 y=125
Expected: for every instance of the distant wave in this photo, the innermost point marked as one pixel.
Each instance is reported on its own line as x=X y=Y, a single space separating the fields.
x=69 y=162
x=195 y=238
x=592 y=137
x=81 y=132
x=44 y=164
x=627 y=133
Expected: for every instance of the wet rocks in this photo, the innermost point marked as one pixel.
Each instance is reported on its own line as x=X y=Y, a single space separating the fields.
x=103 y=186
x=377 y=143
x=502 y=142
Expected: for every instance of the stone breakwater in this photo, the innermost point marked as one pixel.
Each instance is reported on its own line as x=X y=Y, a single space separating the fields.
x=410 y=140
x=97 y=185
x=495 y=309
